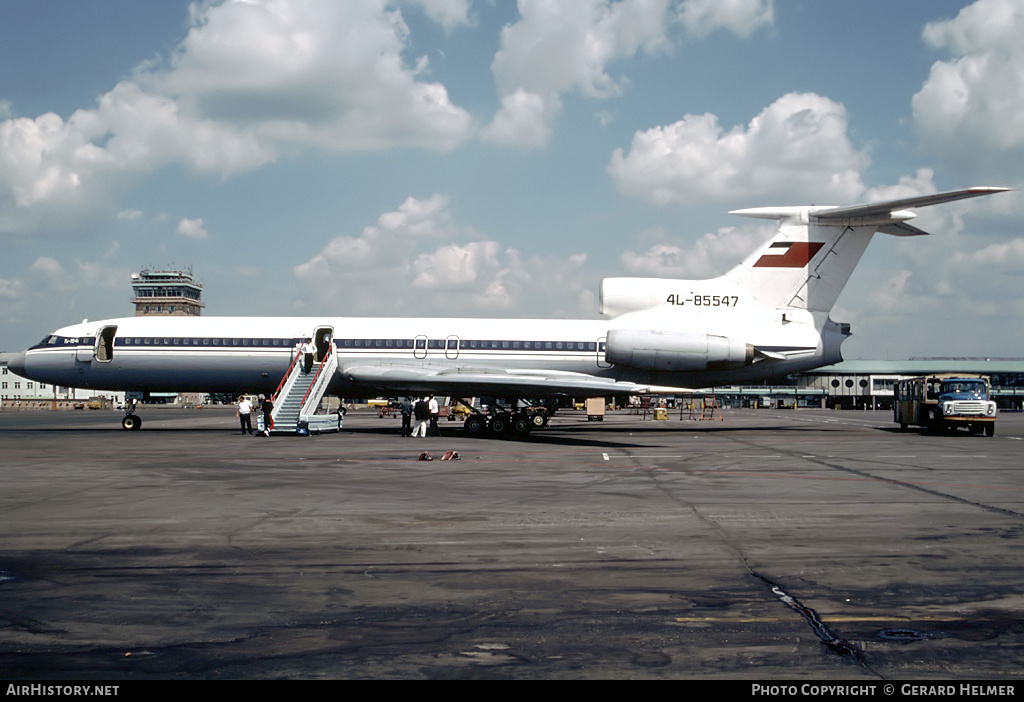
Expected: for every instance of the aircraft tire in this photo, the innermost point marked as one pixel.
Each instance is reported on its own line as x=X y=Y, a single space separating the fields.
x=501 y=424
x=474 y=425
x=521 y=425
x=131 y=422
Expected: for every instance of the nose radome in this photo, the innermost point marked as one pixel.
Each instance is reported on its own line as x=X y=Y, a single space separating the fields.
x=16 y=363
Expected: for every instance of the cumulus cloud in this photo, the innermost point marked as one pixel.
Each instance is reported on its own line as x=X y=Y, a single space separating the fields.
x=251 y=80
x=416 y=260
x=456 y=266
x=47 y=291
x=10 y=290
x=44 y=292
x=798 y=144
x=970 y=111
x=524 y=120
x=743 y=17
x=969 y=295
x=381 y=251
x=566 y=46
x=711 y=255
x=921 y=183
x=49 y=166
x=319 y=73
x=448 y=13
x=47 y=266
x=192 y=229
x=1005 y=256
x=561 y=46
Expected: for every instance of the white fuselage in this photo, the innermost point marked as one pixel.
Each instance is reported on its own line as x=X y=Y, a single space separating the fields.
x=251 y=354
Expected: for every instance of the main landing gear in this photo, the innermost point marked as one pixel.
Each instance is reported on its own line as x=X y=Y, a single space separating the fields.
x=506 y=423
x=130 y=420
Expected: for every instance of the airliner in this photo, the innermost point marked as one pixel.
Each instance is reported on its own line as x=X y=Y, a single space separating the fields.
x=768 y=316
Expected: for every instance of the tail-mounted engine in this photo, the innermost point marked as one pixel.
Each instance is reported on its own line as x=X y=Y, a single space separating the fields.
x=674 y=351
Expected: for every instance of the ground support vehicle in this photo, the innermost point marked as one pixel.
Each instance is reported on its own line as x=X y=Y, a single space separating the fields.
x=945 y=402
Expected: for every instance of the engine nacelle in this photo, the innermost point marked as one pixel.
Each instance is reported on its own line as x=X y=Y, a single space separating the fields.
x=673 y=351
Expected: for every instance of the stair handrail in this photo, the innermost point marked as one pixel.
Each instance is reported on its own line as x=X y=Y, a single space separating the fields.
x=316 y=376
x=284 y=378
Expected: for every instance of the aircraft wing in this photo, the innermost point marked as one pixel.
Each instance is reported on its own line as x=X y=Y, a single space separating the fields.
x=459 y=381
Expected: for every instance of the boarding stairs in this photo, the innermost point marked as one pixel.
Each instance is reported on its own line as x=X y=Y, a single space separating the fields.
x=297 y=399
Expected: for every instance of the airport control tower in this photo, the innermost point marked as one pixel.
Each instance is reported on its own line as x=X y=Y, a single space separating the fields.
x=169 y=292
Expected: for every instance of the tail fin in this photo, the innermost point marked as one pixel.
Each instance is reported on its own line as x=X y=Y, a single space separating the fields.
x=807 y=264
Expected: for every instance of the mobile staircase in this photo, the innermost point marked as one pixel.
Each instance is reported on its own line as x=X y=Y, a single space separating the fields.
x=297 y=398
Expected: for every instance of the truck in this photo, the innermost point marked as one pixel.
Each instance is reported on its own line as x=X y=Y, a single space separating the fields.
x=595 y=409
x=945 y=402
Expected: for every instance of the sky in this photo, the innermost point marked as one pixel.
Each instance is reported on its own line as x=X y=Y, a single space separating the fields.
x=490 y=158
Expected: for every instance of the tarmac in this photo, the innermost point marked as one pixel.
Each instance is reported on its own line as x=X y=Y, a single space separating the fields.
x=759 y=545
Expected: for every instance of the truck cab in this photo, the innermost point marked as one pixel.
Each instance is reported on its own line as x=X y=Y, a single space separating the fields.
x=965 y=401
x=943 y=402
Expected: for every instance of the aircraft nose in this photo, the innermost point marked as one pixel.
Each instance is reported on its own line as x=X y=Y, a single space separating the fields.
x=16 y=363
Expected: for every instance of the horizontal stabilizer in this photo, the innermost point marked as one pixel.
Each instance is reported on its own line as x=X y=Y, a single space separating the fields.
x=879 y=214
x=884 y=209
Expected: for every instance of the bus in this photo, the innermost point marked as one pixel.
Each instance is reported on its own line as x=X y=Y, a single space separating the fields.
x=943 y=402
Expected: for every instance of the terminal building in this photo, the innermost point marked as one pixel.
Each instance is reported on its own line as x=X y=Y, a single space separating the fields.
x=869 y=385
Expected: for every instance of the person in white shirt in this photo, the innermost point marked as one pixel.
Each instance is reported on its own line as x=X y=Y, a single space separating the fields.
x=308 y=354
x=434 y=414
x=244 y=414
